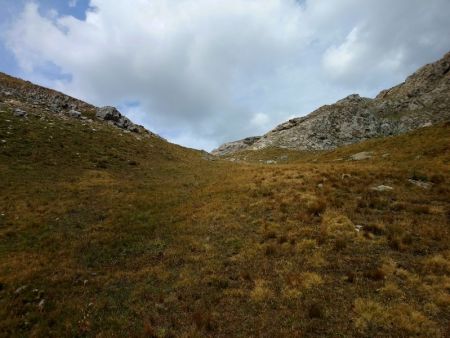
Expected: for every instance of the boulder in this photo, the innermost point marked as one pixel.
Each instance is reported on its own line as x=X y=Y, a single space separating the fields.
x=108 y=113
x=113 y=116
x=75 y=114
x=20 y=113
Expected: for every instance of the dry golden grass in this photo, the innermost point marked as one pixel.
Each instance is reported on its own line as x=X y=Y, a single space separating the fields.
x=115 y=236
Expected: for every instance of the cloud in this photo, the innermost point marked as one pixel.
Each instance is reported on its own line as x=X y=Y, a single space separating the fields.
x=204 y=72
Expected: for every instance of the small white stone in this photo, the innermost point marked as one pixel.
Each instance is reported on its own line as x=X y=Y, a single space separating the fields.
x=382 y=188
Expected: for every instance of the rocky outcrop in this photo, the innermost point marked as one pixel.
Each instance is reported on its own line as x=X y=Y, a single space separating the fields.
x=115 y=117
x=24 y=94
x=422 y=100
x=233 y=147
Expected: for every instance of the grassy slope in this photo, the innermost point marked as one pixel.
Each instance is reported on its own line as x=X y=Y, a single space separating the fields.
x=117 y=236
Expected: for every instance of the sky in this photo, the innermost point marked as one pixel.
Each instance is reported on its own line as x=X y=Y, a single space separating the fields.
x=204 y=72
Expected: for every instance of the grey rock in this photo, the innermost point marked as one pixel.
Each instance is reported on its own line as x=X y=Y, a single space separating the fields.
x=421 y=101
x=20 y=113
x=74 y=114
x=421 y=184
x=236 y=146
x=20 y=289
x=382 y=188
x=108 y=113
x=114 y=117
x=365 y=155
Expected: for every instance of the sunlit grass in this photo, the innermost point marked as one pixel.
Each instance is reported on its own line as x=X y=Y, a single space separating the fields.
x=112 y=235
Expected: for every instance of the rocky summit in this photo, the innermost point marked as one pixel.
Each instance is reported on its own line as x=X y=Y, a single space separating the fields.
x=422 y=100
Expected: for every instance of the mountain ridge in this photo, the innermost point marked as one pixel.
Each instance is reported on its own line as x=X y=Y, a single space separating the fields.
x=421 y=100
x=25 y=96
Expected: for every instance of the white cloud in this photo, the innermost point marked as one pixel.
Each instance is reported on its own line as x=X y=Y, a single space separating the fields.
x=260 y=121
x=207 y=71
x=73 y=3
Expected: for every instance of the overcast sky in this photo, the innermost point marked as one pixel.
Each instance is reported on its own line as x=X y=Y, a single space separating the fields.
x=203 y=72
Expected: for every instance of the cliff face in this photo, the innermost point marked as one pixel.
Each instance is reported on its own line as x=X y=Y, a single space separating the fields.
x=422 y=100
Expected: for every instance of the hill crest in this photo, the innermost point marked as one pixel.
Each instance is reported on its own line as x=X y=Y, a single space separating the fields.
x=421 y=100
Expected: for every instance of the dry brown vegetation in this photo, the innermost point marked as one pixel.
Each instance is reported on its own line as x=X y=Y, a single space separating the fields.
x=103 y=234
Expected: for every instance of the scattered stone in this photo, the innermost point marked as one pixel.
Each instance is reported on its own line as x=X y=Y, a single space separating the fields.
x=41 y=304
x=365 y=155
x=386 y=155
x=22 y=288
x=3 y=141
x=20 y=113
x=271 y=162
x=344 y=176
x=75 y=114
x=358 y=227
x=421 y=184
x=382 y=188
x=320 y=186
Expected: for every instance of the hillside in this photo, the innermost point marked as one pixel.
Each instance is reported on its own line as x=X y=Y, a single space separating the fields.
x=107 y=232
x=422 y=100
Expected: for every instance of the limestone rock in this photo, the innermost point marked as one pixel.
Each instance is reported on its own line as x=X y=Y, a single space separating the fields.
x=43 y=101
x=233 y=147
x=421 y=101
x=365 y=155
x=20 y=113
x=112 y=115
x=421 y=184
x=382 y=188
x=74 y=114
